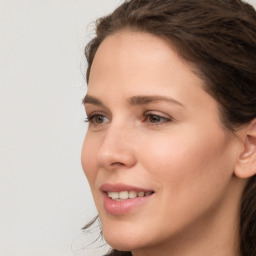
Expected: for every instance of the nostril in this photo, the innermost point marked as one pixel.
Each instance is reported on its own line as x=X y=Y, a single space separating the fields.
x=117 y=163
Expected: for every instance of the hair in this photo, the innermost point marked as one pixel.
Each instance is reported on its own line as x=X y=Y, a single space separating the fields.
x=219 y=38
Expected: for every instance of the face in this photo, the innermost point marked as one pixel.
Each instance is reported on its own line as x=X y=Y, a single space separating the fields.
x=156 y=156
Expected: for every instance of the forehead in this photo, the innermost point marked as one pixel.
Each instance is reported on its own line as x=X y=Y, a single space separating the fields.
x=134 y=44
x=137 y=57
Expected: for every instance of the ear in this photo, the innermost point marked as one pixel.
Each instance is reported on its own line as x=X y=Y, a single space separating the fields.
x=246 y=165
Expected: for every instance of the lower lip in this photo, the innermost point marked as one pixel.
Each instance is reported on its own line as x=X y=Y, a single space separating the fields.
x=124 y=206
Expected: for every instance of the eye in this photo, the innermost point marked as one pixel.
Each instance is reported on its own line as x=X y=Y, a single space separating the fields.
x=156 y=119
x=96 y=119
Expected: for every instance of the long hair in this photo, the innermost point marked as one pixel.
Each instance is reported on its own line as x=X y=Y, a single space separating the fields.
x=219 y=37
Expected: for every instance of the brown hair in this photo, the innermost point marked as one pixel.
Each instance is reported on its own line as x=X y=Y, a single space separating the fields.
x=219 y=37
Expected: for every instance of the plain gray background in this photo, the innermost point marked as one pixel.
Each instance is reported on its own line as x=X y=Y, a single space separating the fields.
x=44 y=196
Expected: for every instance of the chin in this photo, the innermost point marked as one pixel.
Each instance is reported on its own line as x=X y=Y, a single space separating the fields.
x=124 y=239
x=121 y=245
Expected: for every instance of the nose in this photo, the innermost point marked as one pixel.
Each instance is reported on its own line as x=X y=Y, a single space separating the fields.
x=117 y=149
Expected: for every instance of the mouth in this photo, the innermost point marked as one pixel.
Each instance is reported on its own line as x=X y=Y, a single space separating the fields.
x=124 y=195
x=120 y=199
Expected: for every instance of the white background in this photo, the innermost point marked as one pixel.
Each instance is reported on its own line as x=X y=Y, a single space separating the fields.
x=44 y=196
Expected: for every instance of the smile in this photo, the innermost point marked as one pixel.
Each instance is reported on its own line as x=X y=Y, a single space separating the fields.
x=124 y=195
x=121 y=199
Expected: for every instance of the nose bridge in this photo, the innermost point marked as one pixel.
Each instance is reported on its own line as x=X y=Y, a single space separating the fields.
x=116 y=147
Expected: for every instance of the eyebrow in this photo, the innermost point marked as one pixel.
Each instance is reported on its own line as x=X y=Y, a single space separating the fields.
x=92 y=100
x=135 y=100
x=142 y=100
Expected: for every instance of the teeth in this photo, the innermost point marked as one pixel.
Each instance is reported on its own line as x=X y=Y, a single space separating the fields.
x=123 y=195
x=132 y=194
x=113 y=195
x=140 y=194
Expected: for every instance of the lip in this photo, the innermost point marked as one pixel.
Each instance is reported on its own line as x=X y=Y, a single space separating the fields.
x=125 y=206
x=118 y=187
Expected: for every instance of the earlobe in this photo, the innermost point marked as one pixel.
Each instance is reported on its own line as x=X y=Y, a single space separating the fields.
x=246 y=165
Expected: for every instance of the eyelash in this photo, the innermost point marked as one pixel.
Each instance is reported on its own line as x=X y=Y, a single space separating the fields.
x=91 y=118
x=160 y=119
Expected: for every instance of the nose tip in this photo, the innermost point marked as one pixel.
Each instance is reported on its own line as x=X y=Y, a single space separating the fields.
x=109 y=159
x=116 y=151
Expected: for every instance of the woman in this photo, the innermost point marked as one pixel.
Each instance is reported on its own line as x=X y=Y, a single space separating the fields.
x=170 y=151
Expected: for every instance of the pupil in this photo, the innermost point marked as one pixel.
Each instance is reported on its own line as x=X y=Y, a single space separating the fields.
x=99 y=119
x=154 y=119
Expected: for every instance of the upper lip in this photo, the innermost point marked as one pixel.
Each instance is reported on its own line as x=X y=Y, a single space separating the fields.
x=118 y=187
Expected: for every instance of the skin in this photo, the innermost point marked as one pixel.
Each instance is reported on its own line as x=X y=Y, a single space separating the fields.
x=177 y=148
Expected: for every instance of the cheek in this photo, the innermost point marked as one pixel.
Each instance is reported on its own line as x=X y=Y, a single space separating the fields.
x=186 y=163
x=88 y=160
x=192 y=175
